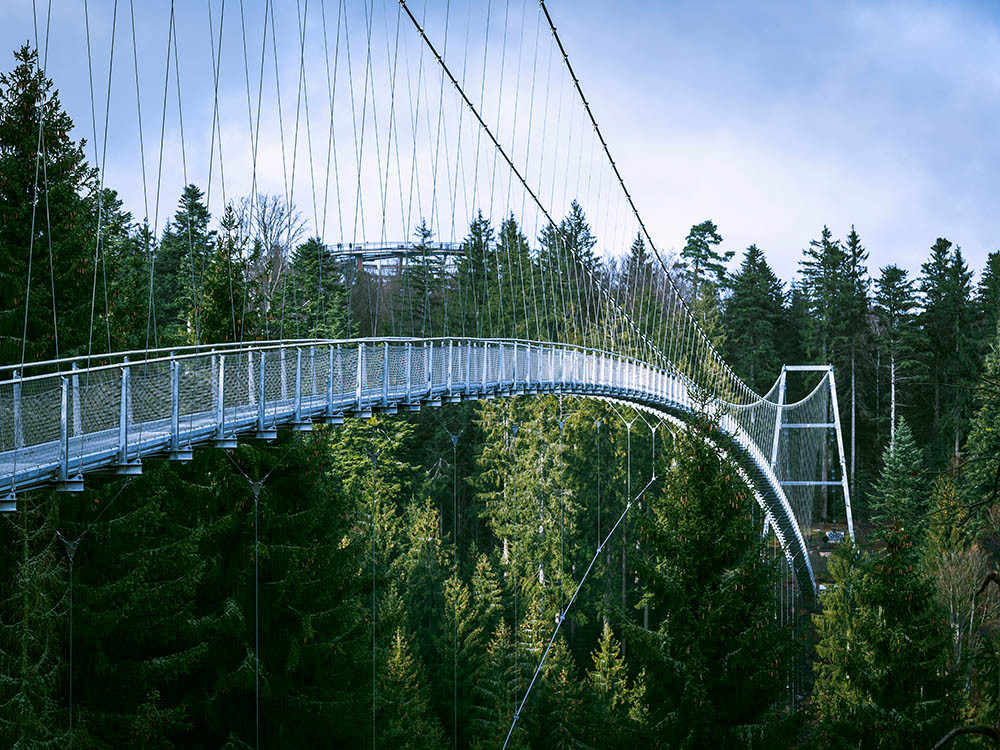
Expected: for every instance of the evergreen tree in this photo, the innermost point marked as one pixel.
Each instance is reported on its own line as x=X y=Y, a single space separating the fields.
x=753 y=319
x=881 y=676
x=496 y=695
x=988 y=301
x=617 y=714
x=403 y=709
x=703 y=267
x=32 y=712
x=713 y=660
x=320 y=309
x=947 y=348
x=421 y=302
x=822 y=278
x=46 y=188
x=895 y=302
x=179 y=270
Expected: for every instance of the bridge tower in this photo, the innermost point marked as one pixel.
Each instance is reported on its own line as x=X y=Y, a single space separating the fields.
x=799 y=463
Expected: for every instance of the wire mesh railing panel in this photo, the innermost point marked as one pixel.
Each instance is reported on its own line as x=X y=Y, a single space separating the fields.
x=150 y=392
x=275 y=386
x=374 y=367
x=195 y=386
x=236 y=390
x=397 y=369
x=40 y=410
x=100 y=394
x=348 y=370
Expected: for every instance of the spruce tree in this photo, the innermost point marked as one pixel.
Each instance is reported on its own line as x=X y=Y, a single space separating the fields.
x=178 y=278
x=881 y=676
x=715 y=658
x=947 y=349
x=616 y=712
x=403 y=712
x=895 y=304
x=46 y=187
x=753 y=319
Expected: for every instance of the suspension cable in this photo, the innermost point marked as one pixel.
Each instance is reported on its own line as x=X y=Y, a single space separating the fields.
x=562 y=613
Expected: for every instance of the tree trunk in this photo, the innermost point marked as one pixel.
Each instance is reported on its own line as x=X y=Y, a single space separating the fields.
x=892 y=399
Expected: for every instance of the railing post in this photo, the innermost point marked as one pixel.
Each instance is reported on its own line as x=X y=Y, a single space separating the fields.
x=284 y=374
x=340 y=369
x=486 y=363
x=175 y=406
x=429 y=365
x=251 y=388
x=221 y=403
x=468 y=366
x=260 y=400
x=298 y=385
x=500 y=366
x=312 y=371
x=514 y=369
x=361 y=372
x=385 y=374
x=77 y=416
x=64 y=429
x=409 y=372
x=18 y=421
x=123 y=416
x=329 y=382
x=450 y=360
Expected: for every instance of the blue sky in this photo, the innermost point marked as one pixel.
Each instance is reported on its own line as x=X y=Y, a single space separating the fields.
x=772 y=119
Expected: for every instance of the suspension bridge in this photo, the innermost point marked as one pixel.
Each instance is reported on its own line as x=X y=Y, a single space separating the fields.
x=414 y=115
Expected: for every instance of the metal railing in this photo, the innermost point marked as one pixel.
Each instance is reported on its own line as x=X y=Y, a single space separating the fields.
x=57 y=426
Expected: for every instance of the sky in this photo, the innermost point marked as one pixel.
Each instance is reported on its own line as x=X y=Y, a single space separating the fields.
x=771 y=119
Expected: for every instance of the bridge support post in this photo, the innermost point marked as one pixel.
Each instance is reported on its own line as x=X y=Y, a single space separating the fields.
x=429 y=368
x=840 y=449
x=332 y=417
x=412 y=404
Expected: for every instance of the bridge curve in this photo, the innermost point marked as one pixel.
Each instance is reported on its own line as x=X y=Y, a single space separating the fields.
x=71 y=418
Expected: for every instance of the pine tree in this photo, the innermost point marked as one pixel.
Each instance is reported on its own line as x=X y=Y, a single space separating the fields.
x=988 y=301
x=496 y=696
x=703 y=267
x=822 y=275
x=456 y=669
x=421 y=302
x=476 y=294
x=983 y=444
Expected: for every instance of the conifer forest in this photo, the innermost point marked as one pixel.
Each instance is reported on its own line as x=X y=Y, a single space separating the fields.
x=428 y=578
